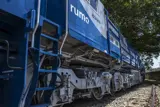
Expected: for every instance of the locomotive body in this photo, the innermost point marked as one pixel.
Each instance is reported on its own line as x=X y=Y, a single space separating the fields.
x=55 y=51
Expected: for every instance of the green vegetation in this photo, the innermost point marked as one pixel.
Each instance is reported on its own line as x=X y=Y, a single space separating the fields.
x=139 y=22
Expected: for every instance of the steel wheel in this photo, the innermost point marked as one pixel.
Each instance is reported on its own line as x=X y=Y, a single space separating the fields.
x=97 y=93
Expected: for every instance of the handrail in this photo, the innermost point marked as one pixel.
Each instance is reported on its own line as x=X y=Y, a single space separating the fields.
x=66 y=34
x=37 y=23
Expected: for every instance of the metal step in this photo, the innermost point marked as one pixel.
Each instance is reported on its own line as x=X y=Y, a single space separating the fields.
x=51 y=22
x=47 y=71
x=49 y=37
x=45 y=88
x=55 y=54
x=48 y=53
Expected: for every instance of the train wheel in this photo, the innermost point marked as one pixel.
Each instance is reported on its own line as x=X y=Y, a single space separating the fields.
x=124 y=87
x=112 y=92
x=112 y=87
x=97 y=94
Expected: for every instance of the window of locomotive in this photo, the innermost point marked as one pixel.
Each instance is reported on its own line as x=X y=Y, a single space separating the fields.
x=117 y=44
x=114 y=41
x=126 y=54
x=111 y=39
x=124 y=46
x=93 y=4
x=88 y=1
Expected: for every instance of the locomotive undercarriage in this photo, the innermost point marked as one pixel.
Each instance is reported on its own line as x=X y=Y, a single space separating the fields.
x=83 y=73
x=87 y=83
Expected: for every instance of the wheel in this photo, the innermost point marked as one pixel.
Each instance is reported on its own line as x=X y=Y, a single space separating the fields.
x=112 y=92
x=97 y=93
x=112 y=87
x=124 y=87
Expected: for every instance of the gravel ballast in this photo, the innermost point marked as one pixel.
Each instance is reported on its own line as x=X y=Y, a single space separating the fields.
x=137 y=96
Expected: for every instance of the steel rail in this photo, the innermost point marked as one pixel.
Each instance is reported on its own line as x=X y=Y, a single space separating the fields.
x=154 y=101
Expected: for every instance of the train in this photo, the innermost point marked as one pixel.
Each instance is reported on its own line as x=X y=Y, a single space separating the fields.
x=53 y=52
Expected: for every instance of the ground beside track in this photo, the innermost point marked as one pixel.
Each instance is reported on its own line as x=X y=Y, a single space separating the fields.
x=137 y=96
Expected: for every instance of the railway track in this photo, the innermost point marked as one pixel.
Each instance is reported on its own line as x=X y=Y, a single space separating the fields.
x=144 y=95
x=153 y=99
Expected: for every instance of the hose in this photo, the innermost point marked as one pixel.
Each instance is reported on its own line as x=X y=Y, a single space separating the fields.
x=39 y=95
x=7 y=58
x=66 y=34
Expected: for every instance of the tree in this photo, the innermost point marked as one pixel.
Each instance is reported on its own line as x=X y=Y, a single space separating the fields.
x=139 y=22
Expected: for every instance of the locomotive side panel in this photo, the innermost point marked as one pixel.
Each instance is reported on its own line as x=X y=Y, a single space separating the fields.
x=88 y=23
x=114 y=40
x=125 y=55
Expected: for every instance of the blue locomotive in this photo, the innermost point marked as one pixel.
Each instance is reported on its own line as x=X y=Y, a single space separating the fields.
x=55 y=51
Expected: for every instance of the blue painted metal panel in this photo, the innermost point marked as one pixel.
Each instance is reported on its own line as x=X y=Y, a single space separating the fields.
x=133 y=56
x=114 y=46
x=113 y=35
x=113 y=28
x=125 y=56
x=56 y=11
x=125 y=53
x=13 y=87
x=124 y=43
x=17 y=7
x=85 y=30
x=114 y=52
